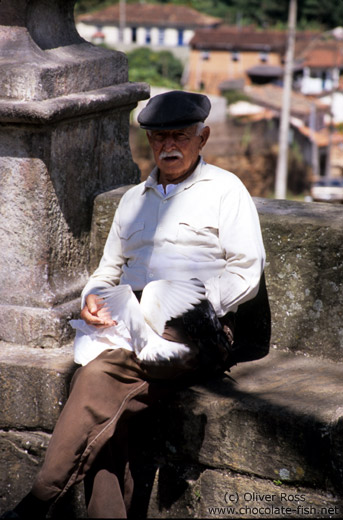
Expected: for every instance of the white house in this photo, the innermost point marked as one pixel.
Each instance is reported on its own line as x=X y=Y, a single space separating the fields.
x=320 y=62
x=126 y=26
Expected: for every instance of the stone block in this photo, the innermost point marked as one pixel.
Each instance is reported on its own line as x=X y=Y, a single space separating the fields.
x=38 y=327
x=304 y=270
x=191 y=492
x=304 y=273
x=64 y=138
x=45 y=227
x=279 y=418
x=34 y=385
x=21 y=455
x=47 y=202
x=104 y=208
x=46 y=57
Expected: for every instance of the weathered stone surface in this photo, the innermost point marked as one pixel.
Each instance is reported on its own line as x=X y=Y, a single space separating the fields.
x=34 y=384
x=184 y=492
x=64 y=138
x=278 y=418
x=281 y=417
x=38 y=327
x=48 y=179
x=104 y=208
x=47 y=57
x=73 y=105
x=304 y=272
x=46 y=203
x=21 y=455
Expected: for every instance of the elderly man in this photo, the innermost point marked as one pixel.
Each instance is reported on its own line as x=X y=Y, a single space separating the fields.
x=189 y=220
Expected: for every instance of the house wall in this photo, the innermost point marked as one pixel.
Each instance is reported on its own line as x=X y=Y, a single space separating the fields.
x=145 y=36
x=207 y=69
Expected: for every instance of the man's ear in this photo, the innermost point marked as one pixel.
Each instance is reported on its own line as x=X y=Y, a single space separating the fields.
x=205 y=134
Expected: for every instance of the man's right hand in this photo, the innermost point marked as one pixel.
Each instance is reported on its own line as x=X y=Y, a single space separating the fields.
x=96 y=313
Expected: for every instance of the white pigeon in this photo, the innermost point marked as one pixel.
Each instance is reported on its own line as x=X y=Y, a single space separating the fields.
x=140 y=324
x=161 y=300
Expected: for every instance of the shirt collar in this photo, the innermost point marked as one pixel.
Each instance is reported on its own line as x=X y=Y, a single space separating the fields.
x=199 y=174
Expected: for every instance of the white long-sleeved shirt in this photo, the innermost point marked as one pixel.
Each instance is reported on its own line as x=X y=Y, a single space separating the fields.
x=205 y=227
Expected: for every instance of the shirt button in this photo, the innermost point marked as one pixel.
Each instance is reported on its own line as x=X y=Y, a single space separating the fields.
x=151 y=275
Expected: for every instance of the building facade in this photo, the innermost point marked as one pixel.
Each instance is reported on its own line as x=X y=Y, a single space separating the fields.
x=225 y=55
x=160 y=27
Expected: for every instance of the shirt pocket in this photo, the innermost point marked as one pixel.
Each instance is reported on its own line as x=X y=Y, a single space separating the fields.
x=131 y=230
x=199 y=242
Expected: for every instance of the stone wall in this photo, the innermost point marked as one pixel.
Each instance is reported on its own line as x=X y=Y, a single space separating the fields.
x=64 y=114
x=64 y=124
x=304 y=270
x=268 y=437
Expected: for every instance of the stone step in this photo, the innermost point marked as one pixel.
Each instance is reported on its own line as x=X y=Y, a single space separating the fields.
x=275 y=421
x=279 y=418
x=34 y=385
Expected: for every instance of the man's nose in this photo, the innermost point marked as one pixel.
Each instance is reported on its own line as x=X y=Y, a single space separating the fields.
x=169 y=143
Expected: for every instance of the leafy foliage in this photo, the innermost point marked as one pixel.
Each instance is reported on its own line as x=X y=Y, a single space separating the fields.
x=264 y=13
x=157 y=68
x=85 y=6
x=232 y=96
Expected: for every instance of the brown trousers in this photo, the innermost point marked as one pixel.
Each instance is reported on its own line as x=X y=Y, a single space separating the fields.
x=91 y=435
x=104 y=395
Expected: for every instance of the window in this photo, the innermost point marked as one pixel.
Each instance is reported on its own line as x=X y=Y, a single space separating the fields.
x=235 y=56
x=180 y=37
x=264 y=56
x=98 y=37
x=205 y=55
x=148 y=35
x=134 y=34
x=160 y=36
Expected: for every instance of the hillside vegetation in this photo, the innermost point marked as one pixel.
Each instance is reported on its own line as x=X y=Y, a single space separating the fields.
x=269 y=13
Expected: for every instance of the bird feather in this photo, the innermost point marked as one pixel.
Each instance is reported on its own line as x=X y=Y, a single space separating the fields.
x=124 y=306
x=165 y=299
x=161 y=300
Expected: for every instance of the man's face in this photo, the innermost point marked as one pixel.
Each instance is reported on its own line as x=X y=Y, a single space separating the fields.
x=176 y=152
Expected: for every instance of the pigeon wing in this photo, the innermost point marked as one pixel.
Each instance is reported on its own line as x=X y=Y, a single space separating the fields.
x=165 y=299
x=124 y=306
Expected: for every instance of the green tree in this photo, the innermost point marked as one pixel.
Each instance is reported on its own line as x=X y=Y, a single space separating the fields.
x=263 y=13
x=85 y=6
x=157 y=68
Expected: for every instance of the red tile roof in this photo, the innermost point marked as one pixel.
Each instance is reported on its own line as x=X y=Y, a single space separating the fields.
x=228 y=37
x=270 y=96
x=151 y=14
x=322 y=137
x=323 y=54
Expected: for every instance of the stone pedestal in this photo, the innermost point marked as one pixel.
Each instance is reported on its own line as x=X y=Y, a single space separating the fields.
x=64 y=114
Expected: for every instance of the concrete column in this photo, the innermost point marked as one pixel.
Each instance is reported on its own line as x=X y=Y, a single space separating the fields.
x=64 y=123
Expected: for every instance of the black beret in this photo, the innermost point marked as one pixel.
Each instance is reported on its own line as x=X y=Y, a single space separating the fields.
x=174 y=109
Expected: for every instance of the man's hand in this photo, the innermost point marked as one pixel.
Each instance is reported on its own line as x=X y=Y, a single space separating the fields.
x=96 y=313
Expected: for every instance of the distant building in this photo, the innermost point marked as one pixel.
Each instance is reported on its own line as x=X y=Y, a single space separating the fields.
x=304 y=111
x=308 y=128
x=227 y=57
x=320 y=62
x=223 y=56
x=152 y=25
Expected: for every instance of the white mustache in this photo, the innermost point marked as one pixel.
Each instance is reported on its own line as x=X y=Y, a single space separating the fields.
x=176 y=153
